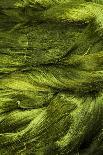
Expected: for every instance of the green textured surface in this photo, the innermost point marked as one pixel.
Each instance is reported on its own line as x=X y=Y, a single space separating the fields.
x=51 y=77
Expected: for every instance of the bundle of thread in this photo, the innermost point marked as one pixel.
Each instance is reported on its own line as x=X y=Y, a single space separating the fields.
x=51 y=77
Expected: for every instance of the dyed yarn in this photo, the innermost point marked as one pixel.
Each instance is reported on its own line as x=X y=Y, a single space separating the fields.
x=51 y=77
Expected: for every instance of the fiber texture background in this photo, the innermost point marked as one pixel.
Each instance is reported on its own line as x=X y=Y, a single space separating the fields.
x=51 y=77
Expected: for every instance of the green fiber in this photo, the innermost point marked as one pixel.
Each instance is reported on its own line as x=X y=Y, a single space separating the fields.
x=51 y=77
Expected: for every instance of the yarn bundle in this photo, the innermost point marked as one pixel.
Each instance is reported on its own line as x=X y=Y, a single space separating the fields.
x=51 y=77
